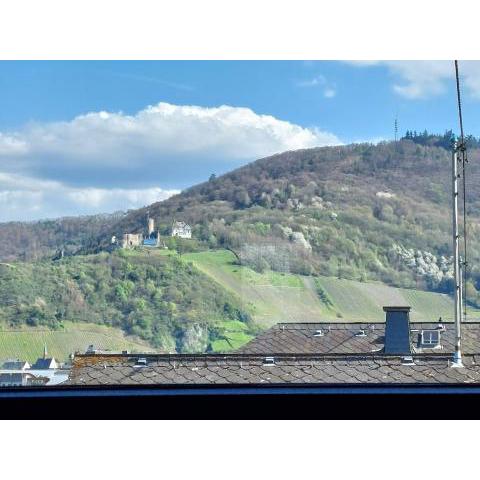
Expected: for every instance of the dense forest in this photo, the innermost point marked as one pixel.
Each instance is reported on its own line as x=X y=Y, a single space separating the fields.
x=30 y=241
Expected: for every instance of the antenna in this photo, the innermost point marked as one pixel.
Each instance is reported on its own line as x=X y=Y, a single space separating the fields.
x=459 y=150
x=462 y=147
x=457 y=357
x=396 y=128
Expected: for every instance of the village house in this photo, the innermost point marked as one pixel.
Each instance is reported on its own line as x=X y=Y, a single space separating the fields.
x=15 y=365
x=45 y=363
x=181 y=230
x=45 y=371
x=14 y=379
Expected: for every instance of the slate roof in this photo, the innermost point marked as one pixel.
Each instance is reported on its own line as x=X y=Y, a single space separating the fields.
x=114 y=369
x=343 y=338
x=43 y=364
x=15 y=365
x=317 y=353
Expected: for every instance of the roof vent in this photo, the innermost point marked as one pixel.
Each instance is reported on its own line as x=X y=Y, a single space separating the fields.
x=361 y=333
x=141 y=362
x=408 y=360
x=397 y=331
x=319 y=333
x=269 y=362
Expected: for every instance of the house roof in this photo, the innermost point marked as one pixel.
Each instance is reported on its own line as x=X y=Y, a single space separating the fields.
x=180 y=225
x=13 y=377
x=43 y=363
x=343 y=338
x=108 y=369
x=321 y=353
x=15 y=365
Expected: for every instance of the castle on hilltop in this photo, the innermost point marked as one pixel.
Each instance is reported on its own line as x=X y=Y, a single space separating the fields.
x=151 y=237
x=132 y=240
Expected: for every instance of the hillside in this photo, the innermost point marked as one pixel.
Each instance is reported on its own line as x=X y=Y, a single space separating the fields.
x=28 y=342
x=274 y=297
x=30 y=241
x=165 y=302
x=361 y=212
x=159 y=300
x=364 y=213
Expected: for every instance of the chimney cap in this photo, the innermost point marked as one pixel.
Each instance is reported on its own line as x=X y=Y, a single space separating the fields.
x=397 y=309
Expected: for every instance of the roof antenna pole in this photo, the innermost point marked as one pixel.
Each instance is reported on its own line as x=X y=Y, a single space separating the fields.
x=457 y=357
x=458 y=155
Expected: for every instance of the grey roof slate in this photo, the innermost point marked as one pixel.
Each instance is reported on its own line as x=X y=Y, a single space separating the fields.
x=345 y=353
x=341 y=338
x=105 y=369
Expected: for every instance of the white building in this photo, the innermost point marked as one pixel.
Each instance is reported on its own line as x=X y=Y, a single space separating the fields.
x=182 y=230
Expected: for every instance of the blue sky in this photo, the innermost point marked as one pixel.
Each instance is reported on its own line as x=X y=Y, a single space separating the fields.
x=363 y=107
x=106 y=135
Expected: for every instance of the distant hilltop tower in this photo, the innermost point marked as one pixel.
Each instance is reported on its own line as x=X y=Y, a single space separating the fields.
x=151 y=225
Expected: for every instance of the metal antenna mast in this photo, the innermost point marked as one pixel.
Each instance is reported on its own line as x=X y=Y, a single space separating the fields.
x=458 y=155
x=462 y=148
x=457 y=357
x=396 y=128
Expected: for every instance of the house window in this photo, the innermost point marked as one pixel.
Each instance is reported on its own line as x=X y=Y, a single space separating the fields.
x=430 y=338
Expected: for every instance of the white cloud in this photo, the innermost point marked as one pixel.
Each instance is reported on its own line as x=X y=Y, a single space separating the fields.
x=329 y=90
x=104 y=160
x=319 y=80
x=11 y=145
x=24 y=198
x=423 y=79
x=161 y=131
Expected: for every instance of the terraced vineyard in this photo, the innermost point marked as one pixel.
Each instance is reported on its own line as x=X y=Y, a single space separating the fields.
x=28 y=344
x=358 y=301
x=275 y=297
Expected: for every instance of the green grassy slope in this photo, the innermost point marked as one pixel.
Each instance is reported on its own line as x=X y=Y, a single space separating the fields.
x=166 y=302
x=28 y=343
x=275 y=297
x=358 y=301
x=270 y=297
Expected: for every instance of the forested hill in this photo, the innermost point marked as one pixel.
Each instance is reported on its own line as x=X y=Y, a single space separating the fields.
x=30 y=241
x=359 y=211
x=363 y=211
x=354 y=175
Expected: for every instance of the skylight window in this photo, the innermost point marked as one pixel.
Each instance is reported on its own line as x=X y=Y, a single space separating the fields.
x=430 y=338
